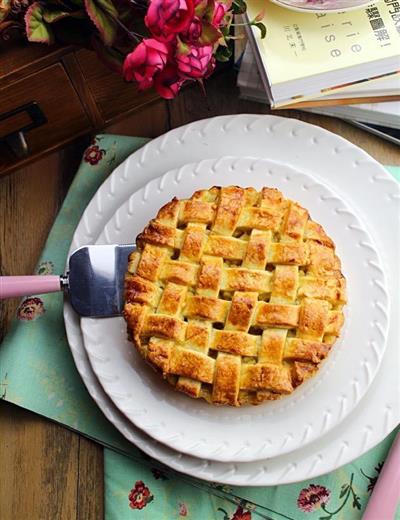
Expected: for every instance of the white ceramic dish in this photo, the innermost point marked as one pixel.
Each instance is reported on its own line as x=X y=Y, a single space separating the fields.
x=252 y=432
x=322 y=6
x=309 y=148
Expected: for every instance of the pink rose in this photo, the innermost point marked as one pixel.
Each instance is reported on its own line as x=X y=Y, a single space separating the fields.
x=194 y=62
x=168 y=82
x=194 y=30
x=166 y=18
x=148 y=58
x=219 y=12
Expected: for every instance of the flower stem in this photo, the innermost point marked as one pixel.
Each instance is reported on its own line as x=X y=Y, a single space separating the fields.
x=240 y=37
x=140 y=5
x=366 y=476
x=350 y=490
x=225 y=513
x=250 y=22
x=135 y=36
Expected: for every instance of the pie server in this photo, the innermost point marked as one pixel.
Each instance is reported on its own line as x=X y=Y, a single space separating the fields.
x=94 y=281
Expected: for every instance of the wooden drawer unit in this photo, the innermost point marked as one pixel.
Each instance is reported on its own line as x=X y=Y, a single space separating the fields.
x=54 y=95
x=47 y=102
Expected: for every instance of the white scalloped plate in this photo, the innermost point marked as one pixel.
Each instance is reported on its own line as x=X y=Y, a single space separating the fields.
x=273 y=428
x=310 y=148
x=323 y=7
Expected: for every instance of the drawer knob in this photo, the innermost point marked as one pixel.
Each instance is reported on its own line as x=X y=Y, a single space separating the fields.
x=16 y=138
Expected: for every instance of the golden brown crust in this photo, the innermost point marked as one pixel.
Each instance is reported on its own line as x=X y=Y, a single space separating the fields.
x=227 y=380
x=234 y=295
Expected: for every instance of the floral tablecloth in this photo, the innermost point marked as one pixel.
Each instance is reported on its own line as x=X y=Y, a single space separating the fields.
x=37 y=372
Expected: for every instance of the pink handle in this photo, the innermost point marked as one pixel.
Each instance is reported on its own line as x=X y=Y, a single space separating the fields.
x=11 y=286
x=386 y=494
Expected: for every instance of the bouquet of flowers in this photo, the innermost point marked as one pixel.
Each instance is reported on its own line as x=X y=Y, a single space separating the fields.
x=156 y=43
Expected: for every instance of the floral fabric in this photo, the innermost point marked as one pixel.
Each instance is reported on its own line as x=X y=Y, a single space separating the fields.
x=341 y=495
x=37 y=372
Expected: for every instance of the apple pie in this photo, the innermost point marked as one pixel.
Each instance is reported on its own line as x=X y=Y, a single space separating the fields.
x=234 y=295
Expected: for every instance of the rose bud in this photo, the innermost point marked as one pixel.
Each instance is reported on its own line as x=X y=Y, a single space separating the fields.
x=194 y=30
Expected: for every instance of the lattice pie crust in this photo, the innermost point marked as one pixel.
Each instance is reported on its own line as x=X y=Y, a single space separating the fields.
x=234 y=295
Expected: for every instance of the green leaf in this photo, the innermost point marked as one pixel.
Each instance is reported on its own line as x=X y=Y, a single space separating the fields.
x=228 y=18
x=103 y=15
x=36 y=28
x=51 y=16
x=209 y=34
x=200 y=8
x=223 y=54
x=58 y=14
x=262 y=28
x=209 y=11
x=225 y=31
x=325 y=517
x=356 y=502
x=226 y=517
x=344 y=490
x=182 y=47
x=4 y=8
x=78 y=14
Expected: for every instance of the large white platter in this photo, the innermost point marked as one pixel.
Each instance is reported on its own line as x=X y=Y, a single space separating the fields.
x=252 y=432
x=371 y=192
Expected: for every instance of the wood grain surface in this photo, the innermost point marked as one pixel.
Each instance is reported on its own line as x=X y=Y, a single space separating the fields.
x=48 y=472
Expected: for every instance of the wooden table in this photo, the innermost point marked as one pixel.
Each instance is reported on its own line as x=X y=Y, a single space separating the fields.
x=48 y=472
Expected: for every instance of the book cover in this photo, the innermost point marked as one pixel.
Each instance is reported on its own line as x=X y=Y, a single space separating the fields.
x=300 y=45
x=386 y=114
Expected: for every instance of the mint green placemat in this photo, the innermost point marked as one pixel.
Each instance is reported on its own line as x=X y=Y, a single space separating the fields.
x=37 y=372
x=152 y=494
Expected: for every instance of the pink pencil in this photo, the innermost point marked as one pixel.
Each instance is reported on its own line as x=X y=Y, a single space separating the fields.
x=385 y=497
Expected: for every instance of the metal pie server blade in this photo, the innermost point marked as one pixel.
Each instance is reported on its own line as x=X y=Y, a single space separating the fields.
x=95 y=280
